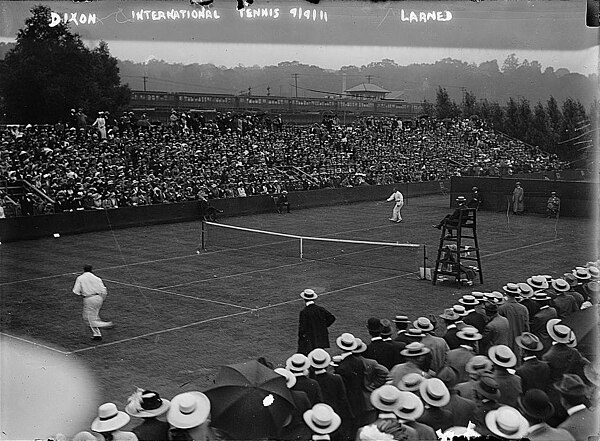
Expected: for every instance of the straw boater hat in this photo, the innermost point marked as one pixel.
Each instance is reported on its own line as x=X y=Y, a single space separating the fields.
x=558 y=332
x=488 y=388
x=449 y=314
x=468 y=300
x=526 y=290
x=322 y=419
x=109 y=418
x=502 y=355
x=479 y=296
x=561 y=285
x=308 y=294
x=414 y=333
x=469 y=333
x=434 y=392
x=423 y=324
x=386 y=398
x=594 y=272
x=538 y=282
x=506 y=422
x=582 y=273
x=571 y=385
x=290 y=379
x=460 y=310
x=297 y=363
x=410 y=382
x=401 y=319
x=479 y=364
x=411 y=407
x=415 y=349
x=512 y=289
x=529 y=342
x=535 y=403
x=541 y=296
x=146 y=404
x=189 y=409
x=360 y=347
x=346 y=342
x=319 y=358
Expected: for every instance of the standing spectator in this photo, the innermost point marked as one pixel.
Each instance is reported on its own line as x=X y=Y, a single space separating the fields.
x=541 y=318
x=516 y=314
x=472 y=317
x=459 y=357
x=27 y=204
x=518 y=199
x=459 y=407
x=101 y=125
x=497 y=330
x=313 y=324
x=298 y=365
x=295 y=429
x=450 y=317
x=436 y=345
x=534 y=373
x=410 y=411
x=188 y=416
x=507 y=423
x=398 y=199
x=477 y=366
x=377 y=349
x=323 y=421
x=109 y=421
x=396 y=347
x=508 y=383
x=536 y=407
x=562 y=358
x=282 y=202
x=564 y=303
x=415 y=354
x=476 y=199
x=435 y=395
x=581 y=422
x=401 y=322
x=487 y=395
x=148 y=405
x=553 y=206
x=93 y=291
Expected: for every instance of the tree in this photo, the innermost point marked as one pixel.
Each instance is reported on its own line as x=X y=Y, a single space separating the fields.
x=50 y=71
x=444 y=106
x=469 y=104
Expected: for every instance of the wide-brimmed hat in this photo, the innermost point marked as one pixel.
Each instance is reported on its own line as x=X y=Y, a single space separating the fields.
x=541 y=296
x=346 y=342
x=297 y=363
x=410 y=382
x=449 y=376
x=460 y=310
x=506 y=422
x=538 y=282
x=535 y=403
x=469 y=333
x=411 y=407
x=290 y=379
x=322 y=419
x=189 y=409
x=529 y=342
x=449 y=314
x=434 y=392
x=582 y=273
x=415 y=349
x=479 y=296
x=558 y=332
x=561 y=285
x=512 y=289
x=361 y=346
x=468 y=300
x=374 y=324
x=571 y=385
x=526 y=290
x=386 y=328
x=146 y=404
x=488 y=387
x=401 y=319
x=414 y=333
x=479 y=364
x=319 y=358
x=502 y=355
x=308 y=294
x=423 y=324
x=594 y=272
x=461 y=199
x=109 y=418
x=386 y=398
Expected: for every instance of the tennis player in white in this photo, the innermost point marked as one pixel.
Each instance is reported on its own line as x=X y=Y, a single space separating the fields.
x=90 y=287
x=399 y=199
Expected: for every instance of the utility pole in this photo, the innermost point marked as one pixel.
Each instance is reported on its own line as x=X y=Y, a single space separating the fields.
x=268 y=90
x=145 y=78
x=369 y=78
x=296 y=83
x=249 y=91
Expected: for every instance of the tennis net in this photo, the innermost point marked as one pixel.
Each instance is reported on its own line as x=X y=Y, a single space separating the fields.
x=254 y=244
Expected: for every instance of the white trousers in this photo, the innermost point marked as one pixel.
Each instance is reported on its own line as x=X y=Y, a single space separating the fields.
x=396 y=216
x=91 y=314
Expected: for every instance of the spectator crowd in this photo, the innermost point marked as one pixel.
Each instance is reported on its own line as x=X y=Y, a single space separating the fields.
x=509 y=364
x=127 y=161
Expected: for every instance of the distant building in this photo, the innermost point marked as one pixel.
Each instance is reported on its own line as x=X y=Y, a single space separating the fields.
x=367 y=90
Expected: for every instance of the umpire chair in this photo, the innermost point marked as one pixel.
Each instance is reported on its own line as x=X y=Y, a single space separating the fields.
x=453 y=251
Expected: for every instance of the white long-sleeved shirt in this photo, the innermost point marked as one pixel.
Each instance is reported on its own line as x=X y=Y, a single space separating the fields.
x=396 y=196
x=89 y=284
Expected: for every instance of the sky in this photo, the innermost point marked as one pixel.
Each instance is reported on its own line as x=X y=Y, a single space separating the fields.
x=331 y=34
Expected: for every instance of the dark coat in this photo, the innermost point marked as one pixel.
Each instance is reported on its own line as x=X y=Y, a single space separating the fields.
x=436 y=418
x=312 y=328
x=310 y=387
x=451 y=338
x=352 y=371
x=460 y=408
x=152 y=429
x=509 y=386
x=297 y=430
x=582 y=425
x=538 y=325
x=382 y=352
x=476 y=319
x=564 y=360
x=334 y=393
x=535 y=374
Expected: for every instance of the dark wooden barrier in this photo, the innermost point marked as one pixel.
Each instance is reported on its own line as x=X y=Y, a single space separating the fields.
x=578 y=199
x=32 y=227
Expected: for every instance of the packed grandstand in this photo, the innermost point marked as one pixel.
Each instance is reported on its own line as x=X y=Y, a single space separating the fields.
x=75 y=166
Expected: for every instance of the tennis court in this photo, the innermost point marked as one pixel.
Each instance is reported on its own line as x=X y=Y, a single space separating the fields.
x=179 y=313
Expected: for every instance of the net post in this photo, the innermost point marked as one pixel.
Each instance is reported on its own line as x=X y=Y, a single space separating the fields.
x=301 y=250
x=203 y=240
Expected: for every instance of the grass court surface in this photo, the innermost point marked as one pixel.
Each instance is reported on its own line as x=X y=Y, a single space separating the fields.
x=179 y=314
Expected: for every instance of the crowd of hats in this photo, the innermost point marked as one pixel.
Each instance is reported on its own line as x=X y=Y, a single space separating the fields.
x=136 y=165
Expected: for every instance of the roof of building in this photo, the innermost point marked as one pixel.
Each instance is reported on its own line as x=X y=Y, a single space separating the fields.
x=366 y=87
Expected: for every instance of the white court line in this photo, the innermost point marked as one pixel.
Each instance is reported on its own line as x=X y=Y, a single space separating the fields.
x=150 y=334
x=520 y=248
x=34 y=343
x=176 y=293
